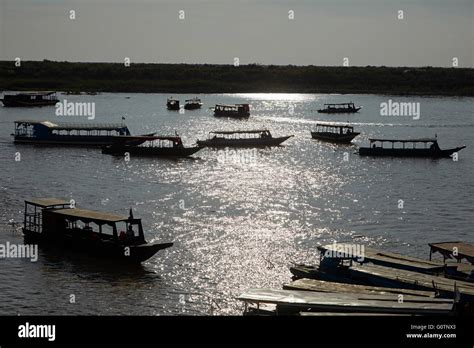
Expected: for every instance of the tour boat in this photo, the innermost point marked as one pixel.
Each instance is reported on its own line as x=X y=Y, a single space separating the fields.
x=235 y=111
x=242 y=138
x=192 y=104
x=30 y=99
x=340 y=108
x=334 y=133
x=172 y=104
x=57 y=222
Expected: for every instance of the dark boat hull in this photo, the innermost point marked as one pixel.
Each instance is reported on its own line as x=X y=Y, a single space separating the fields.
x=257 y=142
x=20 y=103
x=72 y=140
x=102 y=249
x=334 y=137
x=378 y=151
x=192 y=106
x=231 y=114
x=150 y=151
x=339 y=111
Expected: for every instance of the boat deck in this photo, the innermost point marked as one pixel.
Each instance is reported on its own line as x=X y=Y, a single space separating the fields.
x=297 y=301
x=463 y=250
x=326 y=287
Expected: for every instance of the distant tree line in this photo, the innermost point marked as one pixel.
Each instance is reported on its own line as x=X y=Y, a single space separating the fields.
x=206 y=78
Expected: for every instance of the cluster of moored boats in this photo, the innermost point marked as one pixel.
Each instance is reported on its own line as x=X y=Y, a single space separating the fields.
x=357 y=280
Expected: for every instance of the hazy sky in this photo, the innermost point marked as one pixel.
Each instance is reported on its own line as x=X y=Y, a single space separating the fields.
x=323 y=32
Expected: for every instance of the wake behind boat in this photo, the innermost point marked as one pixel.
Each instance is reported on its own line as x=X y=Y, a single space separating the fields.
x=150 y=146
x=399 y=148
x=117 y=237
x=334 y=133
x=242 y=138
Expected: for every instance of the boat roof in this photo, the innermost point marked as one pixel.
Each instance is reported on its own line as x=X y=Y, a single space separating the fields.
x=420 y=140
x=90 y=215
x=333 y=125
x=47 y=202
x=75 y=126
x=464 y=250
x=193 y=100
x=240 y=131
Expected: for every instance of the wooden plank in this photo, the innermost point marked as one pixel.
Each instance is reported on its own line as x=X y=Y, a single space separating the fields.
x=324 y=286
x=388 y=277
x=464 y=250
x=337 y=302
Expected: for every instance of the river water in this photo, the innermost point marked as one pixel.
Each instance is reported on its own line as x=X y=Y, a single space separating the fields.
x=238 y=219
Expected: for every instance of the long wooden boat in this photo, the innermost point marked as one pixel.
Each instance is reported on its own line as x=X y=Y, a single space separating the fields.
x=454 y=250
x=172 y=104
x=334 y=133
x=28 y=99
x=234 y=111
x=342 y=251
x=54 y=221
x=150 y=146
x=242 y=138
x=326 y=286
x=339 y=108
x=294 y=302
x=432 y=151
x=68 y=134
x=192 y=104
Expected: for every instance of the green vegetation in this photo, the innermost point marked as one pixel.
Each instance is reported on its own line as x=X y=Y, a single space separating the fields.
x=205 y=78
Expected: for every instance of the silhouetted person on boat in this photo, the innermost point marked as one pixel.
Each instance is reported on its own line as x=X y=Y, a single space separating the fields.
x=130 y=233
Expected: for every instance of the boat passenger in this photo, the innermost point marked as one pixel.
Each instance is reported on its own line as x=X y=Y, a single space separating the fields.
x=130 y=233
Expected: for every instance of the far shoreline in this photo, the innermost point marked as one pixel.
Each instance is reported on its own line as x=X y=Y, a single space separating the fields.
x=222 y=79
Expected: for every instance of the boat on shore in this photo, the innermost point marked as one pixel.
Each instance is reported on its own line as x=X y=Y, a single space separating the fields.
x=30 y=99
x=172 y=104
x=111 y=236
x=234 y=111
x=242 y=138
x=377 y=148
x=334 y=133
x=68 y=134
x=339 y=108
x=192 y=104
x=150 y=146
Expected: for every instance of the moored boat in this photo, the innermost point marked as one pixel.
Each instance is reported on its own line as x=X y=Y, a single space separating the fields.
x=192 y=104
x=30 y=99
x=339 y=108
x=150 y=146
x=242 y=138
x=64 y=134
x=111 y=236
x=172 y=104
x=377 y=148
x=235 y=111
x=334 y=133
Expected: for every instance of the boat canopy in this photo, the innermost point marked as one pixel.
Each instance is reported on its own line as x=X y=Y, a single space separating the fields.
x=338 y=126
x=241 y=131
x=44 y=93
x=421 y=140
x=90 y=215
x=194 y=100
x=342 y=104
x=47 y=202
x=73 y=126
x=457 y=250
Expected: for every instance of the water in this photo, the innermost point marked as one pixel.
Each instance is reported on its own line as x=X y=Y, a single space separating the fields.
x=237 y=218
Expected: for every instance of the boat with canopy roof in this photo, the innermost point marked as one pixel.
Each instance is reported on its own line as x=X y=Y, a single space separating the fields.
x=242 y=138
